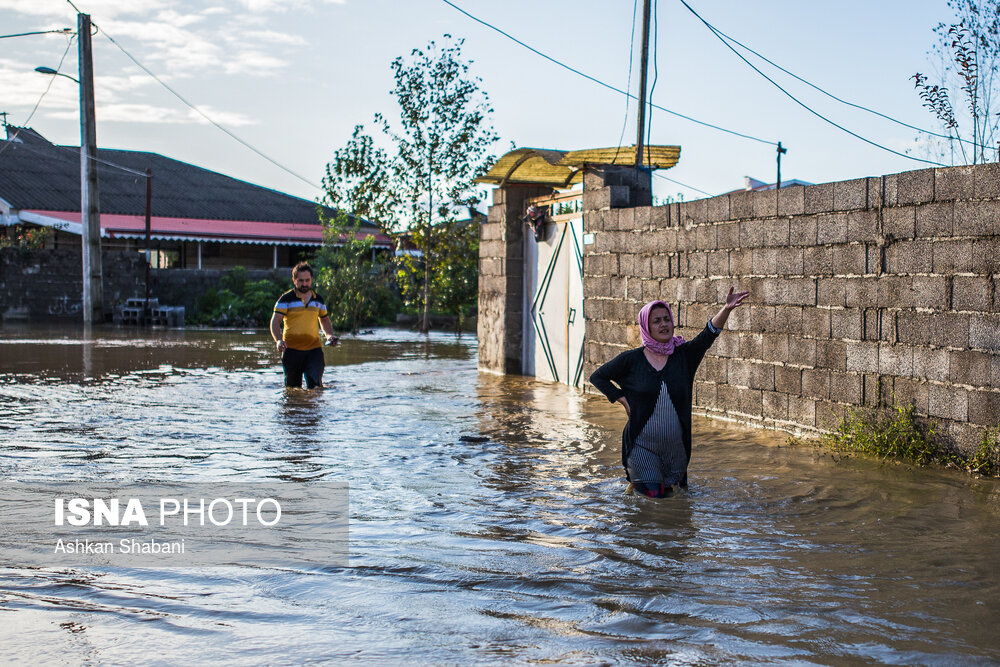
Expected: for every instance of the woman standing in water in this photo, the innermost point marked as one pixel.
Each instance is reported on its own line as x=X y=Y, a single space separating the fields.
x=655 y=384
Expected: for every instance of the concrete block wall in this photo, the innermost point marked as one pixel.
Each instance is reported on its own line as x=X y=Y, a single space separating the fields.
x=862 y=291
x=48 y=284
x=501 y=277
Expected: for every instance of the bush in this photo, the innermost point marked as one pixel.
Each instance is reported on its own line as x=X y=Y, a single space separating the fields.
x=986 y=459
x=889 y=432
x=239 y=302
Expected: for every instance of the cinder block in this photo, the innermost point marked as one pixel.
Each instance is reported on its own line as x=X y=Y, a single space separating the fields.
x=850 y=259
x=751 y=345
x=831 y=292
x=895 y=360
x=977 y=218
x=705 y=396
x=776 y=348
x=789 y=291
x=900 y=222
x=718 y=263
x=788 y=319
x=845 y=387
x=831 y=354
x=765 y=261
x=863 y=226
x=706 y=237
x=986 y=181
x=792 y=200
x=802 y=411
x=727 y=345
x=935 y=220
x=693 y=212
x=659 y=217
x=830 y=414
x=952 y=183
x=765 y=203
x=788 y=379
x=831 y=228
x=642 y=218
x=752 y=234
x=818 y=198
x=714 y=369
x=775 y=406
x=972 y=293
x=751 y=403
x=728 y=398
x=761 y=317
x=876 y=198
x=650 y=290
x=696 y=264
x=776 y=232
x=984 y=332
x=740 y=205
x=818 y=261
x=909 y=257
x=741 y=263
x=931 y=292
x=597 y=199
x=947 y=329
x=948 y=402
x=816 y=322
x=861 y=292
x=802 y=230
x=862 y=357
x=907 y=391
x=845 y=324
x=984 y=408
x=739 y=372
x=728 y=235
x=717 y=209
x=816 y=383
x=626 y=219
x=915 y=187
x=971 y=367
x=802 y=352
x=596 y=287
x=849 y=195
x=953 y=256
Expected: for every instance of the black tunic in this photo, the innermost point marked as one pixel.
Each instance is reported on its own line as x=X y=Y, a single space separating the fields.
x=640 y=383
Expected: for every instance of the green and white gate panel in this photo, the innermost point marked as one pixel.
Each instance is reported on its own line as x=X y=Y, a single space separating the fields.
x=554 y=325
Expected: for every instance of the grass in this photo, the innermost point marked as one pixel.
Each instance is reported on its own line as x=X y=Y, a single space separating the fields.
x=896 y=433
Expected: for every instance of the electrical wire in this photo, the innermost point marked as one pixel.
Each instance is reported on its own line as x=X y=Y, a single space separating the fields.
x=601 y=83
x=841 y=100
x=52 y=79
x=628 y=85
x=206 y=116
x=800 y=103
x=60 y=31
x=683 y=185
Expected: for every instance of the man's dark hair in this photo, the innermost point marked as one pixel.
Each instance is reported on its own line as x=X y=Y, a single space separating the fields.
x=300 y=267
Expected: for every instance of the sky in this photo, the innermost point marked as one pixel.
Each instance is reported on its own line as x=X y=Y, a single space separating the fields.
x=291 y=78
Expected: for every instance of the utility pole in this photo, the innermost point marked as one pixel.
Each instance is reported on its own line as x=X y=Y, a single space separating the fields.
x=149 y=217
x=781 y=151
x=90 y=215
x=642 y=86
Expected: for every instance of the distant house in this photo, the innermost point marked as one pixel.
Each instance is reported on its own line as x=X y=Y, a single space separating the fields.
x=753 y=185
x=200 y=218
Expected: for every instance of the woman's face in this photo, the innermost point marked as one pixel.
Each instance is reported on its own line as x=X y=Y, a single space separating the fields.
x=661 y=327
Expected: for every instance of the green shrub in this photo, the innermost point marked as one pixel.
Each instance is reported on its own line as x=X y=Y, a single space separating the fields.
x=239 y=302
x=986 y=459
x=890 y=433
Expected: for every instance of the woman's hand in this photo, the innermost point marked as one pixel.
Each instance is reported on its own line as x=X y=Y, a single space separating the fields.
x=628 y=410
x=734 y=299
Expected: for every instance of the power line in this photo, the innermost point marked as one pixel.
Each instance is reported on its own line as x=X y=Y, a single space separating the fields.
x=45 y=92
x=838 y=99
x=628 y=85
x=601 y=83
x=683 y=185
x=60 y=31
x=206 y=116
x=800 y=103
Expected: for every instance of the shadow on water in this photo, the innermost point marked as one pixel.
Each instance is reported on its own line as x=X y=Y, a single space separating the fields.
x=514 y=544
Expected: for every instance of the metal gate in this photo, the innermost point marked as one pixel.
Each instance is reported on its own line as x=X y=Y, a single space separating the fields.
x=553 y=323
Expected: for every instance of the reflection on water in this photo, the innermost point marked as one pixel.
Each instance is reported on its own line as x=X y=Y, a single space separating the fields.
x=520 y=548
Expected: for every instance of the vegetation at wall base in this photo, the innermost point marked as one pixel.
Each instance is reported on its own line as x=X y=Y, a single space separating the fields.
x=896 y=433
x=239 y=301
x=26 y=239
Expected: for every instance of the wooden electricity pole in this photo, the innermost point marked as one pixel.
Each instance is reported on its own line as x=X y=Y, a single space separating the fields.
x=642 y=85
x=90 y=215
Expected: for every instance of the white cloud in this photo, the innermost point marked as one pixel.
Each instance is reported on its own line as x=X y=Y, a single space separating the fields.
x=152 y=115
x=260 y=6
x=273 y=37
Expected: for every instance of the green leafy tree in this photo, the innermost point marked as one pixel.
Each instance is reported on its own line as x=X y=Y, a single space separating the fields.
x=441 y=143
x=968 y=50
x=357 y=287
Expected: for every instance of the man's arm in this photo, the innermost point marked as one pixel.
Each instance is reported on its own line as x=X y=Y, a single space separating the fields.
x=327 y=325
x=276 y=331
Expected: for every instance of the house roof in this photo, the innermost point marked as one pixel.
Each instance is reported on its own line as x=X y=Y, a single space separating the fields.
x=38 y=176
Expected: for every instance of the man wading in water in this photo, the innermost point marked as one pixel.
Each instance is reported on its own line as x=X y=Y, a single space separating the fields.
x=302 y=311
x=654 y=384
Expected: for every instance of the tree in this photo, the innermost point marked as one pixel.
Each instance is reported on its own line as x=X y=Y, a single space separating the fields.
x=969 y=52
x=441 y=144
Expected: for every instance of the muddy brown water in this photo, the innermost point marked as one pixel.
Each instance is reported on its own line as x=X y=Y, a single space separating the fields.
x=517 y=549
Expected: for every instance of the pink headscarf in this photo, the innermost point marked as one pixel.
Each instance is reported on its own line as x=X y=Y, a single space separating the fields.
x=647 y=338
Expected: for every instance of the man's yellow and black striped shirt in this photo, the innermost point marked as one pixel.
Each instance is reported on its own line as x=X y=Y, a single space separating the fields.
x=301 y=323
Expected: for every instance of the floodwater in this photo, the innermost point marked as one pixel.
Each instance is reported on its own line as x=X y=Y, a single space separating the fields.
x=517 y=549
